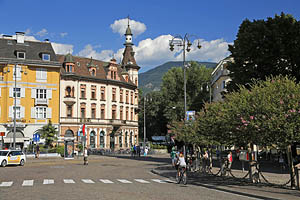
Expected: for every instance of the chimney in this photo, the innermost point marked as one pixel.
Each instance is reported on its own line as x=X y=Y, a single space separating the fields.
x=20 y=37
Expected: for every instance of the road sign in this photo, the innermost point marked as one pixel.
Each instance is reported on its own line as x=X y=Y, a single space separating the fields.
x=36 y=137
x=2 y=133
x=190 y=115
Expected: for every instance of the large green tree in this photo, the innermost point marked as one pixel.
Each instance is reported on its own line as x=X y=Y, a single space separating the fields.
x=172 y=88
x=265 y=47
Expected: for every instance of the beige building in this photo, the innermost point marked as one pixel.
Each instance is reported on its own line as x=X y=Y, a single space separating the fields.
x=101 y=95
x=220 y=77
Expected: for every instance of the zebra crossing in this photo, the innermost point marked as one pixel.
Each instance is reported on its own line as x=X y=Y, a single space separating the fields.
x=31 y=183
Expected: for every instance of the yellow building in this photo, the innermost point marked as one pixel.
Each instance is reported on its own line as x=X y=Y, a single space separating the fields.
x=34 y=88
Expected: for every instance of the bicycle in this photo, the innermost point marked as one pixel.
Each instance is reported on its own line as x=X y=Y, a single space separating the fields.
x=181 y=176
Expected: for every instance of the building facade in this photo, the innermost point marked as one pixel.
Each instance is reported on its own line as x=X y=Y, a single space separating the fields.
x=29 y=80
x=220 y=77
x=101 y=95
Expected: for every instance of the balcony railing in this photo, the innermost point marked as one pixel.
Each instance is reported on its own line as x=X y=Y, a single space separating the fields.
x=220 y=73
x=97 y=121
x=41 y=102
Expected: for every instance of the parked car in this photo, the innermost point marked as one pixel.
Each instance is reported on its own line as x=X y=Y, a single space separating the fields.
x=12 y=157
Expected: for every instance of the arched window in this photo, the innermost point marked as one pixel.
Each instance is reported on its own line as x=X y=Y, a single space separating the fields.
x=120 y=140
x=126 y=140
x=69 y=133
x=130 y=139
x=68 y=91
x=102 y=139
x=92 y=139
x=93 y=72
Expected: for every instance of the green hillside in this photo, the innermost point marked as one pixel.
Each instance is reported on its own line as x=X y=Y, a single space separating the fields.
x=151 y=80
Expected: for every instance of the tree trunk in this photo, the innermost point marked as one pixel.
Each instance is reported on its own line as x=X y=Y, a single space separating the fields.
x=291 y=166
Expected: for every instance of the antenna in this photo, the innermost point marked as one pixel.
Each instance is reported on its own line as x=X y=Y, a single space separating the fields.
x=128 y=20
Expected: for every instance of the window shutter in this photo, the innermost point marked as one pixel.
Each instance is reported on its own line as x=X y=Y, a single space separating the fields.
x=22 y=110
x=11 y=92
x=49 y=113
x=0 y=92
x=18 y=72
x=38 y=74
x=33 y=112
x=49 y=94
x=44 y=74
x=10 y=112
x=33 y=93
x=22 y=92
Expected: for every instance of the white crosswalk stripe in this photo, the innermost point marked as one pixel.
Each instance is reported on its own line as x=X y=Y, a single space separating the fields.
x=6 y=184
x=48 y=181
x=141 y=181
x=69 y=181
x=87 y=181
x=28 y=183
x=105 y=181
x=169 y=181
x=124 y=181
x=158 y=181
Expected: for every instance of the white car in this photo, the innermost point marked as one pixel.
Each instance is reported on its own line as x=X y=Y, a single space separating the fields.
x=12 y=157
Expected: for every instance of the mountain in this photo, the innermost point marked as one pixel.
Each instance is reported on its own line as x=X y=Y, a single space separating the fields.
x=151 y=80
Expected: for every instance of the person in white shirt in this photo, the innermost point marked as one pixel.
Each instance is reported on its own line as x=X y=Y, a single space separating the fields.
x=181 y=163
x=85 y=156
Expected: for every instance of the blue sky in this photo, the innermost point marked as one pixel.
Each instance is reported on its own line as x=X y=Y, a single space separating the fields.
x=95 y=28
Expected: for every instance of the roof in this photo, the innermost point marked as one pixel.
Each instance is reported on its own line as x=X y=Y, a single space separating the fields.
x=128 y=58
x=128 y=31
x=69 y=58
x=33 y=50
x=82 y=66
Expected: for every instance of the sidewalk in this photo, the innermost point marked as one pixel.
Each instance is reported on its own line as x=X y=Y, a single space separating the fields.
x=236 y=185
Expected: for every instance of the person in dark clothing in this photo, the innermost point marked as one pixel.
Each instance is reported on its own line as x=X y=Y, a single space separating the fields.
x=138 y=150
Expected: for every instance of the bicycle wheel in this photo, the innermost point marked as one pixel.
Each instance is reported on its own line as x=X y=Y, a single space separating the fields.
x=177 y=178
x=184 y=178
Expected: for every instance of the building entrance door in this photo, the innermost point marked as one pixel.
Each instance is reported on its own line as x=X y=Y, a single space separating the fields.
x=112 y=141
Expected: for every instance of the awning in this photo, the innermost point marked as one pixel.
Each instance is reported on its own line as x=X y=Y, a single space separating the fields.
x=18 y=140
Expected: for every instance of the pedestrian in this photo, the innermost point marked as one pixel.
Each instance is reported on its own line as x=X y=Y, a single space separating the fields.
x=146 y=151
x=138 y=150
x=173 y=156
x=37 y=155
x=229 y=158
x=205 y=161
x=131 y=150
x=134 y=150
x=85 y=156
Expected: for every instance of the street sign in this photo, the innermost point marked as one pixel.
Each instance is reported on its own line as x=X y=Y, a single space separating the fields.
x=36 y=137
x=190 y=115
x=2 y=133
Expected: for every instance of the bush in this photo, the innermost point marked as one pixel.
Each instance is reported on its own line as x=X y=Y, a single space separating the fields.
x=157 y=146
x=61 y=150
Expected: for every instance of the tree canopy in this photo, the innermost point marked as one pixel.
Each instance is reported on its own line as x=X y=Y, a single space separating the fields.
x=49 y=133
x=263 y=48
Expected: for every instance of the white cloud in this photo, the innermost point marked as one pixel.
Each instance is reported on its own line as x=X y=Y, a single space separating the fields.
x=120 y=26
x=89 y=51
x=63 y=34
x=62 y=48
x=42 y=33
x=28 y=31
x=153 y=52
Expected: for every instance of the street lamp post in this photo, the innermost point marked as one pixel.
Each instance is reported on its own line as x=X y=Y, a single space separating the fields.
x=186 y=44
x=144 y=144
x=15 y=109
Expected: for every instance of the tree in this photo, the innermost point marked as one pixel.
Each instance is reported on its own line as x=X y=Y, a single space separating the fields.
x=49 y=133
x=173 y=90
x=263 y=48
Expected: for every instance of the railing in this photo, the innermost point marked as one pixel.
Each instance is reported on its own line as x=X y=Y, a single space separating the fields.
x=41 y=101
x=220 y=73
x=97 y=121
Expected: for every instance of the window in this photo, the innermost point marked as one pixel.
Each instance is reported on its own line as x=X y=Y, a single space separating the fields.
x=126 y=139
x=120 y=140
x=127 y=96
x=69 y=111
x=121 y=113
x=21 y=55
x=92 y=139
x=131 y=97
x=121 y=95
x=46 y=57
x=114 y=94
x=41 y=75
x=68 y=91
x=101 y=139
x=130 y=138
x=93 y=111
x=93 y=72
x=82 y=110
x=114 y=112
x=127 y=112
x=131 y=114
x=41 y=112
x=103 y=93
x=17 y=92
x=41 y=93
x=93 y=92
x=102 y=111
x=82 y=91
x=18 y=112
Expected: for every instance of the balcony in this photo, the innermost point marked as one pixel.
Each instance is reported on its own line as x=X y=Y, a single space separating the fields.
x=69 y=100
x=220 y=73
x=41 y=102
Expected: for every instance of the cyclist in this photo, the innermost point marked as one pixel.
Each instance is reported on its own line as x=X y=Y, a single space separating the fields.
x=181 y=164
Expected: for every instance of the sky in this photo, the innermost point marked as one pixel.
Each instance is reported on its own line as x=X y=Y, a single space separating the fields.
x=95 y=28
